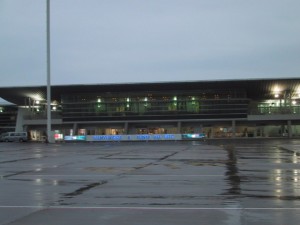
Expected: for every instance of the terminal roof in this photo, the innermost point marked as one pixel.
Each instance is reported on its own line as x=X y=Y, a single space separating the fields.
x=255 y=88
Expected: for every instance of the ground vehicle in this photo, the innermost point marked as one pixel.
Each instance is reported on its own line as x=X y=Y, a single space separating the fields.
x=14 y=136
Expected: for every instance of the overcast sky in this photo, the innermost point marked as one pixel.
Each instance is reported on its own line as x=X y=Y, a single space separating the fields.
x=121 y=41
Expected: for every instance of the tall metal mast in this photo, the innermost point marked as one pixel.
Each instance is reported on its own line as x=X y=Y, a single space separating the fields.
x=48 y=75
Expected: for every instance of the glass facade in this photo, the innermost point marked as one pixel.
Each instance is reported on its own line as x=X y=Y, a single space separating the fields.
x=276 y=107
x=8 y=117
x=216 y=109
x=146 y=105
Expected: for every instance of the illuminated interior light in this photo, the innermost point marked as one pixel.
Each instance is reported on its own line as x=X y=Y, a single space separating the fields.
x=99 y=100
x=175 y=98
x=276 y=95
x=294 y=102
x=276 y=89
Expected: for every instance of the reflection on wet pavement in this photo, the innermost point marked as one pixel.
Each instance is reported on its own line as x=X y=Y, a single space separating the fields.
x=231 y=178
x=232 y=172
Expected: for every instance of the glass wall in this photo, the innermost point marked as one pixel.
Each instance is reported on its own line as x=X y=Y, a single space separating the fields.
x=8 y=117
x=146 y=105
x=275 y=106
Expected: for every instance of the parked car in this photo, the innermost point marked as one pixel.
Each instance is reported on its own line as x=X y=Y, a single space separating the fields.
x=14 y=136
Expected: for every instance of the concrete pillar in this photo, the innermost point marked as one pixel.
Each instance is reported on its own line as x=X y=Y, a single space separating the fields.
x=255 y=132
x=20 y=120
x=212 y=134
x=264 y=132
x=289 y=128
x=233 y=128
x=179 y=127
x=126 y=128
x=201 y=128
x=75 y=127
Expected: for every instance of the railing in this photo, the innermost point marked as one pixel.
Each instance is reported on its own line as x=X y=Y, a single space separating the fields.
x=43 y=116
x=275 y=110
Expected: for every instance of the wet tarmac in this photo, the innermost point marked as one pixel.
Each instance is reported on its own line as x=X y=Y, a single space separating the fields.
x=148 y=183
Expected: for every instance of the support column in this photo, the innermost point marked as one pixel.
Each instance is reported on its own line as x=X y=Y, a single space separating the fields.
x=50 y=136
x=264 y=132
x=20 y=120
x=255 y=131
x=233 y=128
x=179 y=127
x=212 y=133
x=289 y=128
x=126 y=128
x=75 y=126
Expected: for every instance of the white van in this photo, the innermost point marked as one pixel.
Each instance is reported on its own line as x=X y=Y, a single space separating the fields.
x=14 y=136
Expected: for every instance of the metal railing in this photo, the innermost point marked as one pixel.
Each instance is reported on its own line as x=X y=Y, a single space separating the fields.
x=271 y=110
x=43 y=116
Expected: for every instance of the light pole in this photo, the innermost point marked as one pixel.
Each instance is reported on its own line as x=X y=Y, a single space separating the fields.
x=49 y=138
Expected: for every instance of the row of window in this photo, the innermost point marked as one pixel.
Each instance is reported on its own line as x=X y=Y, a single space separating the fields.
x=157 y=116
x=8 y=119
x=155 y=109
x=183 y=106
x=205 y=105
x=158 y=96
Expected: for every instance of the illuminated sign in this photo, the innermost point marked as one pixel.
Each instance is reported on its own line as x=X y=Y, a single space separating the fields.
x=193 y=136
x=134 y=137
x=58 y=136
x=75 y=138
x=169 y=136
x=107 y=138
x=143 y=137
x=131 y=137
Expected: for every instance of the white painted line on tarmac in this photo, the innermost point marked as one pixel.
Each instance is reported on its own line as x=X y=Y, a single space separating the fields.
x=129 y=175
x=141 y=208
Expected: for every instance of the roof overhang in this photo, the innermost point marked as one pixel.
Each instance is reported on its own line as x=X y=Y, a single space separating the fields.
x=255 y=88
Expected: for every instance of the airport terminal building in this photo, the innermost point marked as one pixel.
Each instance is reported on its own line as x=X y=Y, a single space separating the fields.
x=219 y=109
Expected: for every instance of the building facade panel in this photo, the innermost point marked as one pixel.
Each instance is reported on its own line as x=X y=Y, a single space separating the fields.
x=221 y=109
x=203 y=104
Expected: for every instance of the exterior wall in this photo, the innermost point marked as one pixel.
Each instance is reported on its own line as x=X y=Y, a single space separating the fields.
x=213 y=129
x=218 y=113
x=199 y=104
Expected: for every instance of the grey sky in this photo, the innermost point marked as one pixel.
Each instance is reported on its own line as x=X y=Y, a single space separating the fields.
x=120 y=41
